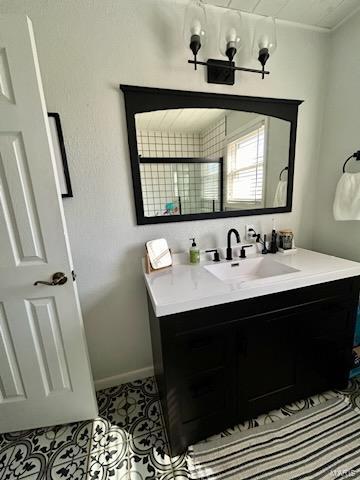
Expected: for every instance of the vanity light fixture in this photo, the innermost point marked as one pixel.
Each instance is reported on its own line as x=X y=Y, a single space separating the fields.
x=231 y=40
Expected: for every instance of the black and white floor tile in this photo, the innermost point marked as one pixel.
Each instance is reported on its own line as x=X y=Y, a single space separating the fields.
x=126 y=442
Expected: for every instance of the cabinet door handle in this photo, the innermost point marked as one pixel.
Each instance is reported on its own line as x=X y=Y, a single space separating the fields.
x=333 y=308
x=242 y=345
x=200 y=343
x=201 y=390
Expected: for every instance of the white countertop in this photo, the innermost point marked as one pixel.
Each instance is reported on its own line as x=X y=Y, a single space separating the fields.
x=184 y=287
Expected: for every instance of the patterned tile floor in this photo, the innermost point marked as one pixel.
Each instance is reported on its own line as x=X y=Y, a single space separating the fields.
x=126 y=442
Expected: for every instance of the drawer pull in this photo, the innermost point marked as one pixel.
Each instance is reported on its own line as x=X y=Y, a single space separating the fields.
x=201 y=390
x=242 y=345
x=200 y=343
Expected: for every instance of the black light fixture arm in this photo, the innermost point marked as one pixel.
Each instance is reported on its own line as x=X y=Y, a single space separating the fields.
x=195 y=45
x=264 y=56
x=229 y=67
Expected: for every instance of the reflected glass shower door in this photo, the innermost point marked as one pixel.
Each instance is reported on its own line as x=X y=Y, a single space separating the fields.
x=179 y=186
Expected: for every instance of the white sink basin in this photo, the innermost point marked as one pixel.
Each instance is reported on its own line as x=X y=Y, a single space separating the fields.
x=248 y=270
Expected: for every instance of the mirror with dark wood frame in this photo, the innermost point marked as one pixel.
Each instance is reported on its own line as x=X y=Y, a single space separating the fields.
x=201 y=155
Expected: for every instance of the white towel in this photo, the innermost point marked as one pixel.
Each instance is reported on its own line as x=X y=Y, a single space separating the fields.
x=281 y=194
x=347 y=197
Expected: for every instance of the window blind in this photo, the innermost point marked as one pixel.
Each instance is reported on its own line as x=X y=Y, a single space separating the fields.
x=245 y=167
x=210 y=181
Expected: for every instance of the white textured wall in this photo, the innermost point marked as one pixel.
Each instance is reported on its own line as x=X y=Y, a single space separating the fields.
x=341 y=137
x=86 y=48
x=278 y=145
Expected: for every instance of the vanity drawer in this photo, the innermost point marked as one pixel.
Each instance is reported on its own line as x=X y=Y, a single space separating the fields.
x=203 y=350
x=203 y=395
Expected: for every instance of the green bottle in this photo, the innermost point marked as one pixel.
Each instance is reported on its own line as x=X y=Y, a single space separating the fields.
x=194 y=252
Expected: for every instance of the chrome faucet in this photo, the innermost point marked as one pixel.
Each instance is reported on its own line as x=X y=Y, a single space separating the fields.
x=229 y=249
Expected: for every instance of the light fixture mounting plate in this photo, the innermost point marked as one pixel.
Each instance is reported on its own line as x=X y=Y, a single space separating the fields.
x=218 y=71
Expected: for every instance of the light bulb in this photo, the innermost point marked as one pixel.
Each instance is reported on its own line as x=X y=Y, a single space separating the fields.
x=231 y=34
x=265 y=41
x=196 y=27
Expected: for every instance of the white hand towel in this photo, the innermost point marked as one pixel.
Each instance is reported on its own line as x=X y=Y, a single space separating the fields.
x=280 y=194
x=347 y=197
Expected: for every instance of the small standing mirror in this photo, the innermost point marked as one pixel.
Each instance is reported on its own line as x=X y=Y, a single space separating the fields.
x=158 y=253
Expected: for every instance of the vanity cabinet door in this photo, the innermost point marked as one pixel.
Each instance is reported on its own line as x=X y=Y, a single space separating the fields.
x=267 y=356
x=287 y=356
x=324 y=346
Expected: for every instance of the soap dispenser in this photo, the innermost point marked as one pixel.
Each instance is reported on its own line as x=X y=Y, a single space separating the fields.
x=194 y=252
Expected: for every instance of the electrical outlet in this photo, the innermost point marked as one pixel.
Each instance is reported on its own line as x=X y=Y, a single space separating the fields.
x=249 y=235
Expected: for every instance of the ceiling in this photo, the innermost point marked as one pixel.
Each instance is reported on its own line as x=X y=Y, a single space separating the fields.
x=178 y=120
x=318 y=13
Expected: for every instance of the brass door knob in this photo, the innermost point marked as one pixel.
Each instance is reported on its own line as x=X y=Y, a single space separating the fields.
x=58 y=278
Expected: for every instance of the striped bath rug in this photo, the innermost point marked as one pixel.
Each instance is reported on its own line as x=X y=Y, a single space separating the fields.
x=322 y=442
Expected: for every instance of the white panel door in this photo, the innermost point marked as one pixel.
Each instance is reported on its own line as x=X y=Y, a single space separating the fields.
x=45 y=376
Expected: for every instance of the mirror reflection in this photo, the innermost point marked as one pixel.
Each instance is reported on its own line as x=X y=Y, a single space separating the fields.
x=158 y=253
x=199 y=160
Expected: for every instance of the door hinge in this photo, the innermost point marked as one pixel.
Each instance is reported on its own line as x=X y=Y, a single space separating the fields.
x=73 y=275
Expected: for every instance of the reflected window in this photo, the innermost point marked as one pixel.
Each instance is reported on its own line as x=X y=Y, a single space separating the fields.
x=210 y=181
x=245 y=166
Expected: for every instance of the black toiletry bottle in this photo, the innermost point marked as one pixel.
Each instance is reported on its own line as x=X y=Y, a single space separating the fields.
x=264 y=250
x=273 y=244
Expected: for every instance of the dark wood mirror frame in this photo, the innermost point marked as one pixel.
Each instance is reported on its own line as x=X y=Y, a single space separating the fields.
x=144 y=99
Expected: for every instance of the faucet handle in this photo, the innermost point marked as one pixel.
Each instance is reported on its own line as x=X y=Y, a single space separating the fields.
x=242 y=252
x=216 y=254
x=252 y=232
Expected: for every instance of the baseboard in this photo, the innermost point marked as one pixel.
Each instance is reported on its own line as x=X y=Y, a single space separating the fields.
x=115 y=380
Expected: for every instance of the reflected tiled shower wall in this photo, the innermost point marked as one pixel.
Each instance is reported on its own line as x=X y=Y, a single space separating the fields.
x=171 y=188
x=169 y=144
x=213 y=139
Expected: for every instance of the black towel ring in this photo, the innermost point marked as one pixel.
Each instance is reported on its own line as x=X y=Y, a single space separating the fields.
x=282 y=171
x=355 y=155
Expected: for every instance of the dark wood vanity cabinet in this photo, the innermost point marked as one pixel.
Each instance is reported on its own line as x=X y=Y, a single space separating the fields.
x=220 y=365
